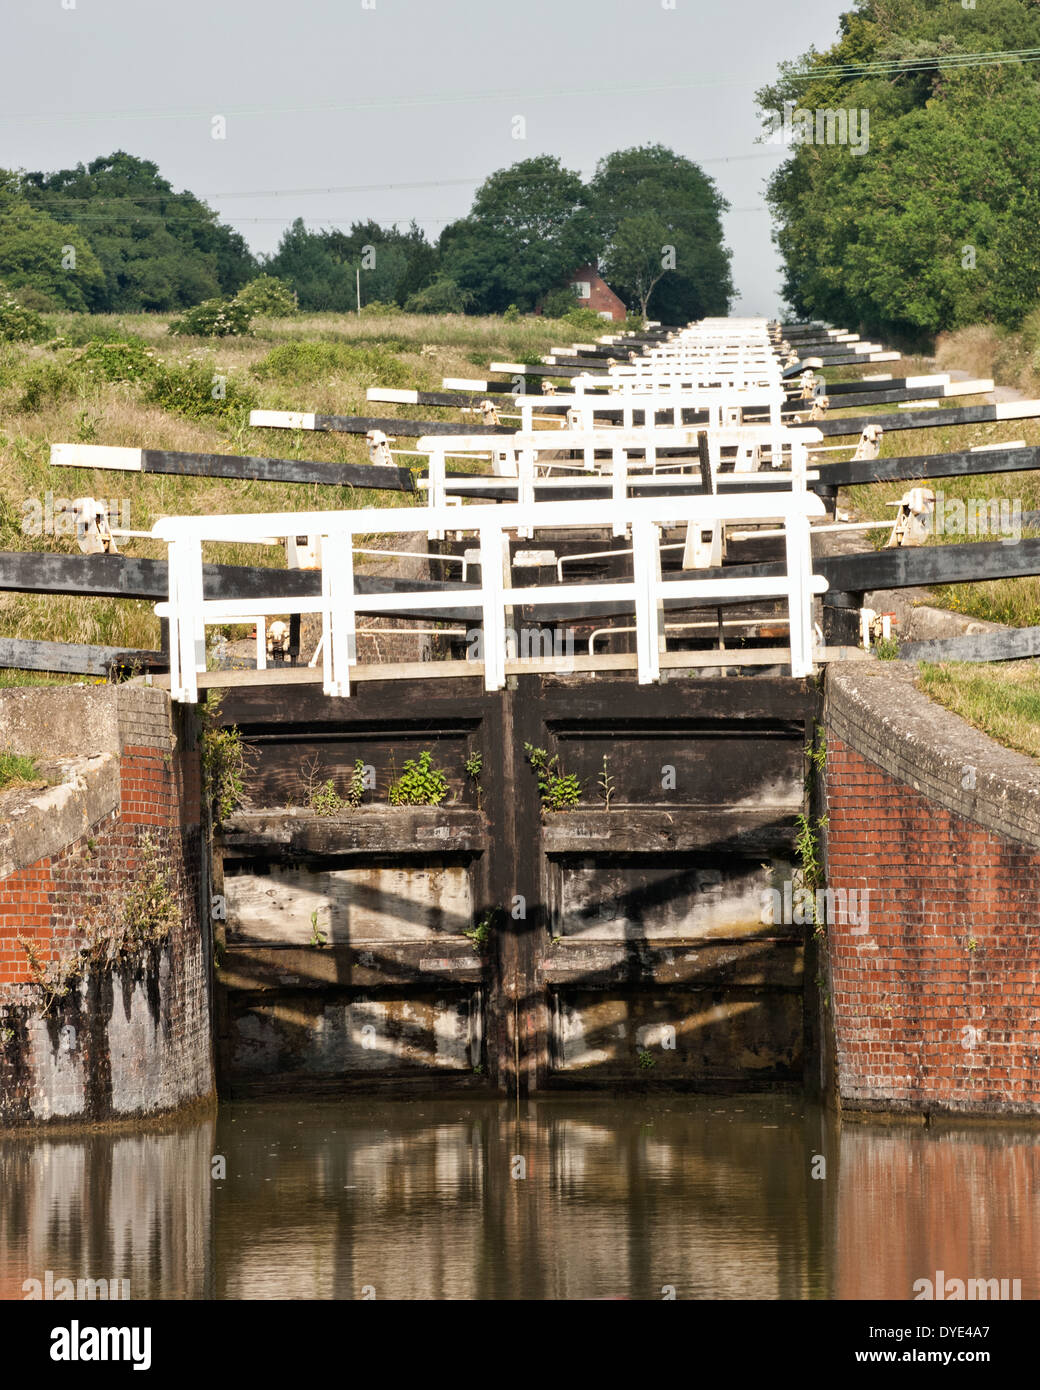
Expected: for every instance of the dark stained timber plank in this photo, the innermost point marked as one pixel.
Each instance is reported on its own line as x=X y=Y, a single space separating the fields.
x=963 y=463
x=276 y=470
x=74 y=659
x=121 y=576
x=930 y=419
x=1013 y=645
x=404 y=429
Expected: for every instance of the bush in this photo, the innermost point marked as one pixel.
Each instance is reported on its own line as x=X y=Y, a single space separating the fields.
x=558 y=303
x=193 y=389
x=441 y=296
x=215 y=318
x=119 y=360
x=587 y=322
x=301 y=361
x=31 y=298
x=46 y=383
x=79 y=330
x=379 y=309
x=18 y=323
x=269 y=296
x=512 y=314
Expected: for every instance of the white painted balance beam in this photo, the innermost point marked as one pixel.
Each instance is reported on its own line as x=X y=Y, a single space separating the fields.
x=124 y=460
x=283 y=419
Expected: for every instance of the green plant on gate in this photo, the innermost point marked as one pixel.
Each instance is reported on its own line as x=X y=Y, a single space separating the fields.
x=559 y=790
x=318 y=937
x=605 y=784
x=325 y=800
x=316 y=793
x=474 y=765
x=646 y=1059
x=420 y=783
x=481 y=933
x=356 y=785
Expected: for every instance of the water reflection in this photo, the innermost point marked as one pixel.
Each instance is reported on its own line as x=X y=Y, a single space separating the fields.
x=711 y=1197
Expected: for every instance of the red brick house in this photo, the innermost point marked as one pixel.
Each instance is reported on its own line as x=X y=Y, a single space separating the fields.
x=594 y=293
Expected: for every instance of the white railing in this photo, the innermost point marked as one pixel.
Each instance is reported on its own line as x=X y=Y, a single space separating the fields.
x=189 y=612
x=718 y=406
x=521 y=460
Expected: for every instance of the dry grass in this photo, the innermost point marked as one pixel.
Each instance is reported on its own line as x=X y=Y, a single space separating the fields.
x=984 y=350
x=70 y=406
x=1012 y=601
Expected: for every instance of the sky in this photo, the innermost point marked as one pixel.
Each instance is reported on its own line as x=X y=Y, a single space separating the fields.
x=343 y=110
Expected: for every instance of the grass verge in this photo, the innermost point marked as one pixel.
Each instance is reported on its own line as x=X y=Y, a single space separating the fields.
x=16 y=770
x=1001 y=698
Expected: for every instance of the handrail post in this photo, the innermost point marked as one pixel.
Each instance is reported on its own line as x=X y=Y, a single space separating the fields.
x=437 y=493
x=646 y=573
x=173 y=560
x=797 y=544
x=339 y=627
x=619 y=489
x=493 y=604
x=525 y=485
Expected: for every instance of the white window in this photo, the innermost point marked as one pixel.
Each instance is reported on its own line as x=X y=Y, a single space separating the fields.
x=583 y=289
x=606 y=314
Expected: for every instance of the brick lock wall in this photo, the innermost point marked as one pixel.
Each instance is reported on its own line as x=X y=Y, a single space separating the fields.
x=142 y=1038
x=936 y=997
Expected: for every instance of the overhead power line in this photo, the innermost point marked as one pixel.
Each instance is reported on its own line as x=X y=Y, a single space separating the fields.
x=612 y=90
x=504 y=176
x=887 y=66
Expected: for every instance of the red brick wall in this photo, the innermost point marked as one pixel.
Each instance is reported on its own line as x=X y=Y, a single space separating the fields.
x=936 y=1005
x=46 y=902
x=53 y=901
x=601 y=298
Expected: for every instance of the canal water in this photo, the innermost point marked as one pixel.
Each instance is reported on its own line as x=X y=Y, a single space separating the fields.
x=646 y=1198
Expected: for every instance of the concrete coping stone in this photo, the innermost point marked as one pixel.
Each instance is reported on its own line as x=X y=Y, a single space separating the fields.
x=39 y=823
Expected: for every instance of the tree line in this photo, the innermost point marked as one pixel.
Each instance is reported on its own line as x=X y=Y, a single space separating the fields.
x=113 y=236
x=933 y=225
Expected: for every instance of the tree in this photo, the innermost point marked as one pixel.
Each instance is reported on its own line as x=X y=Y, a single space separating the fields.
x=323 y=266
x=306 y=263
x=158 y=249
x=934 y=225
x=528 y=228
x=659 y=219
x=637 y=255
x=39 y=253
x=440 y=296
